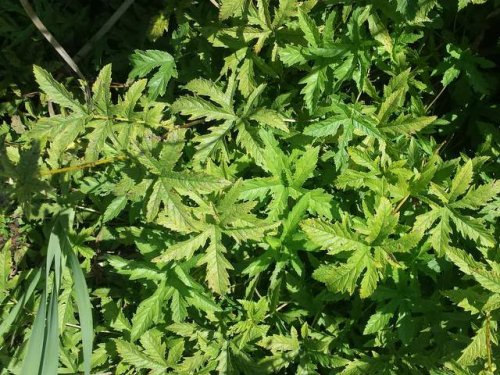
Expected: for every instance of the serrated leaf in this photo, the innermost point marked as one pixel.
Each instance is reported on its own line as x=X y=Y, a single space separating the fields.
x=144 y=62
x=461 y=181
x=324 y=128
x=56 y=91
x=390 y=105
x=382 y=223
x=197 y=108
x=148 y=312
x=343 y=278
x=229 y=8
x=205 y=87
x=114 y=208
x=377 y=322
x=333 y=237
x=314 y=85
x=153 y=347
x=217 y=264
x=407 y=125
x=369 y=282
x=476 y=349
x=309 y=28
x=270 y=118
x=184 y=249
x=130 y=354
x=101 y=90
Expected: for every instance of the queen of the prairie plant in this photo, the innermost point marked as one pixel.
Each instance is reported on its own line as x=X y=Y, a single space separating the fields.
x=289 y=187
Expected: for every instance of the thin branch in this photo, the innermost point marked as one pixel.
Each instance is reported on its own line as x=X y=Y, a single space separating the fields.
x=215 y=3
x=192 y=123
x=280 y=307
x=488 y=342
x=82 y=166
x=103 y=30
x=57 y=46
x=435 y=98
x=118 y=85
x=396 y=210
x=31 y=94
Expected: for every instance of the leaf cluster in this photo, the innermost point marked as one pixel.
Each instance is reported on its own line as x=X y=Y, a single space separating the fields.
x=279 y=187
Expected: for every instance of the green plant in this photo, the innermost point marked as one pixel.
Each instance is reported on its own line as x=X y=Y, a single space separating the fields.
x=281 y=190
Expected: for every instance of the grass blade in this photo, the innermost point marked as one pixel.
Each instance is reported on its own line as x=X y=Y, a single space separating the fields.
x=7 y=322
x=32 y=361
x=84 y=309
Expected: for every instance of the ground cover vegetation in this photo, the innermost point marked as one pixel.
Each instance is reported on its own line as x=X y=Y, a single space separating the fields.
x=251 y=187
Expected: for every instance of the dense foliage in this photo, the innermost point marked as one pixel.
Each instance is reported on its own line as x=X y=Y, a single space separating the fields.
x=263 y=187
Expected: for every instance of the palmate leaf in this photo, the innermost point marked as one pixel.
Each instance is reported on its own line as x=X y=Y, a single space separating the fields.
x=253 y=232
x=389 y=105
x=212 y=142
x=153 y=347
x=240 y=119
x=172 y=283
x=114 y=208
x=205 y=87
x=270 y=118
x=135 y=270
x=382 y=223
x=440 y=235
x=289 y=174
x=246 y=77
x=194 y=106
x=69 y=129
x=325 y=128
x=131 y=98
x=380 y=32
x=463 y=3
x=353 y=122
x=184 y=249
x=369 y=281
x=461 y=181
x=148 y=313
x=144 y=62
x=367 y=247
x=225 y=217
x=449 y=212
x=343 y=278
x=305 y=166
x=102 y=131
x=472 y=228
x=168 y=185
x=478 y=197
x=377 y=322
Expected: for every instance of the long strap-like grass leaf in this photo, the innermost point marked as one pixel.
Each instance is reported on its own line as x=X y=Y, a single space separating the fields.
x=84 y=309
x=42 y=356
x=14 y=313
